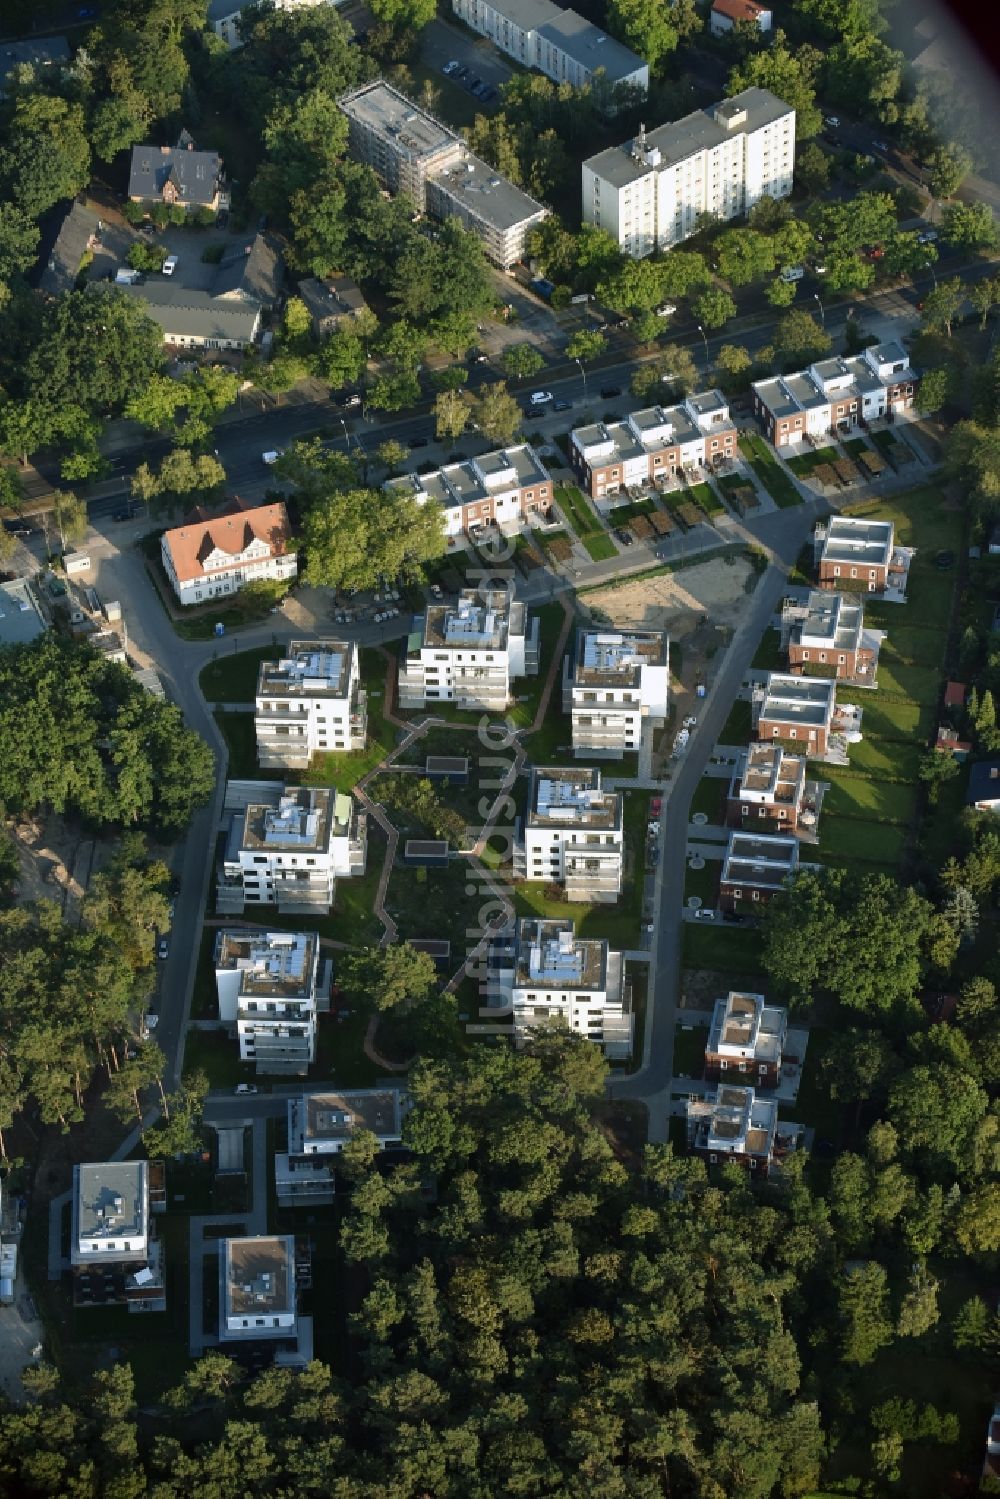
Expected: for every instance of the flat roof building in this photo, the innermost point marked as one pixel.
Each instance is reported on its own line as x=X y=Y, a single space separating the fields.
x=258 y=1300
x=615 y=683
x=114 y=1255
x=799 y=710
x=503 y=488
x=573 y=834
x=467 y=653
x=768 y=791
x=416 y=154
x=652 y=192
x=734 y=1125
x=320 y=1125
x=746 y=1038
x=310 y=702
x=756 y=867
x=826 y=636
x=287 y=846
x=269 y=985
x=21 y=621
x=854 y=552
x=542 y=973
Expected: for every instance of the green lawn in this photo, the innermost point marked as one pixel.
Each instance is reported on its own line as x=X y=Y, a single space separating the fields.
x=804 y=464
x=689 y=1049
x=769 y=656
x=232 y=678
x=213 y=1053
x=600 y=547
x=854 y=446
x=910 y=644
x=577 y=510
x=921 y=684
x=854 y=796
x=883 y=759
x=345 y=770
x=728 y=949
x=709 y=797
x=768 y=470
x=738 y=726
x=886 y=719
x=703 y=882
x=853 y=838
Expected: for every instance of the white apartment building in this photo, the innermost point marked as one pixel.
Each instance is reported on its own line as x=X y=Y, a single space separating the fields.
x=309 y=702
x=746 y=1040
x=114 y=1254
x=542 y=973
x=258 y=1300
x=504 y=489
x=287 y=846
x=320 y=1125
x=652 y=446
x=649 y=193
x=615 y=684
x=415 y=154
x=573 y=834
x=467 y=653
x=270 y=986
x=559 y=43
x=206 y=559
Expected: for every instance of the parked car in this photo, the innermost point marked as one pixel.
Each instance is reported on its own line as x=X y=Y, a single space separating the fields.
x=417 y=442
x=541 y=397
x=928 y=237
x=832 y=121
x=625 y=537
x=792 y=273
x=666 y=309
x=163 y=948
x=271 y=457
x=170 y=265
x=609 y=392
x=449 y=68
x=128 y=513
x=880 y=146
x=561 y=405
x=656 y=805
x=242 y=1090
x=17 y=527
x=352 y=400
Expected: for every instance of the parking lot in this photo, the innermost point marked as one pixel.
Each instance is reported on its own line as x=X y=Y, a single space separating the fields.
x=444 y=44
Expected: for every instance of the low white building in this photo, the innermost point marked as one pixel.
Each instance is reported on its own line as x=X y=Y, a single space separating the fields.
x=206 y=558
x=652 y=446
x=725 y=15
x=114 y=1255
x=269 y=986
x=469 y=652
x=541 y=973
x=836 y=394
x=309 y=702
x=258 y=1300
x=320 y=1125
x=573 y=834
x=615 y=683
x=287 y=846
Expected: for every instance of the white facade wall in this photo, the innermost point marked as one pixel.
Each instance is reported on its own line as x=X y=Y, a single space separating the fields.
x=225 y=574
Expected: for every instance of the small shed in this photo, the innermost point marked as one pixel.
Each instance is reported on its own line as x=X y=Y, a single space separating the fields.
x=432 y=853
x=230 y=1148
x=76 y=562
x=447 y=768
x=954 y=695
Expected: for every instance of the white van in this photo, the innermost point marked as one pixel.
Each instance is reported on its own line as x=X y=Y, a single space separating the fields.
x=792 y=273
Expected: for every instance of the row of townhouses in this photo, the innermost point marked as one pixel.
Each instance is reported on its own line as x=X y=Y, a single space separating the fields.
x=653 y=446
x=834 y=395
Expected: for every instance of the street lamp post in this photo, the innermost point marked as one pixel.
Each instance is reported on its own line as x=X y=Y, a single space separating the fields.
x=819 y=304
x=704 y=339
x=347 y=435
x=583 y=372
x=929 y=267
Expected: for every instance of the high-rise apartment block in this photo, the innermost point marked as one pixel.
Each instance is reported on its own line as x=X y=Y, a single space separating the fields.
x=651 y=192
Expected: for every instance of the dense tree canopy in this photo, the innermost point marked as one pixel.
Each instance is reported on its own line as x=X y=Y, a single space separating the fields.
x=80 y=735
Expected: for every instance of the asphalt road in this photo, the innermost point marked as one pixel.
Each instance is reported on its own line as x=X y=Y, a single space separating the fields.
x=784 y=533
